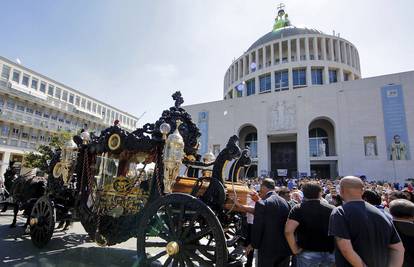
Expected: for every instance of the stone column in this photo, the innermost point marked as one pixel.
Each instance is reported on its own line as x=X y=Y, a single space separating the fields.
x=307 y=57
x=280 y=52
x=244 y=65
x=338 y=49
x=272 y=54
x=331 y=49
x=289 y=51
x=326 y=75
x=264 y=57
x=263 y=151
x=297 y=49
x=290 y=78
x=315 y=48
x=308 y=76
x=250 y=62
x=323 y=41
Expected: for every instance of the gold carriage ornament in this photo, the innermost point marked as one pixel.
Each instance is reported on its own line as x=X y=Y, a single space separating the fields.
x=67 y=156
x=173 y=155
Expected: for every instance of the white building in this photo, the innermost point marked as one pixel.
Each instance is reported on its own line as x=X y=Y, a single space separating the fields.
x=33 y=107
x=297 y=100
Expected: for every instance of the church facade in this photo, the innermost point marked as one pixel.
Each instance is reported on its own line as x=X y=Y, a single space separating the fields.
x=296 y=99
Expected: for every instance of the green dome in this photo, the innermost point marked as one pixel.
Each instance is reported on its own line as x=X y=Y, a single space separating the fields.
x=282 y=33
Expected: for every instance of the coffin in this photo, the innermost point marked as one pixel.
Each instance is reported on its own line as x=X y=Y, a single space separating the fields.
x=241 y=191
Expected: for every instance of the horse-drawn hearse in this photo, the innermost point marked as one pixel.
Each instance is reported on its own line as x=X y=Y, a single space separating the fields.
x=183 y=213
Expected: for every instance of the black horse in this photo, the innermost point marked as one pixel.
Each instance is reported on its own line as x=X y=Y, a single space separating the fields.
x=25 y=190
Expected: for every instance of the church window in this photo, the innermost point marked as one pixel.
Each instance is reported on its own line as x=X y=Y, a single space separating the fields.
x=281 y=80
x=250 y=87
x=317 y=76
x=251 y=142
x=265 y=83
x=318 y=143
x=299 y=77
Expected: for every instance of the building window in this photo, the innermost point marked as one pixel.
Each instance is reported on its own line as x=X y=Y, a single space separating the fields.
x=103 y=111
x=299 y=77
x=88 y=106
x=58 y=93
x=5 y=130
x=250 y=87
x=77 y=101
x=99 y=109
x=83 y=103
x=10 y=104
x=251 y=142
x=94 y=107
x=45 y=115
x=281 y=80
x=15 y=132
x=42 y=87
x=71 y=98
x=265 y=83
x=34 y=83
x=333 y=76
x=318 y=143
x=65 y=96
x=20 y=108
x=317 y=76
x=50 y=90
x=25 y=135
x=5 y=72
x=29 y=110
x=38 y=113
x=16 y=76
x=25 y=80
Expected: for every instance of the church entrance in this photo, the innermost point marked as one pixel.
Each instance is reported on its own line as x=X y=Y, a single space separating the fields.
x=324 y=169
x=320 y=171
x=283 y=156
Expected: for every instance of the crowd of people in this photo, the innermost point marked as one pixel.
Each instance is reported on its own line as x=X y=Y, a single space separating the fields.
x=343 y=222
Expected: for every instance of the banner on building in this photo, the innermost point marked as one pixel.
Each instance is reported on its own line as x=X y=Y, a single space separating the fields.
x=282 y=172
x=395 y=125
x=203 y=127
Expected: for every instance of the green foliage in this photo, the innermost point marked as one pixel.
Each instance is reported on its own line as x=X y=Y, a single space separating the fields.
x=44 y=153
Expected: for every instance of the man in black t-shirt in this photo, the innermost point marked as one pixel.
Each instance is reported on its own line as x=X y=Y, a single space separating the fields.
x=310 y=221
x=402 y=211
x=364 y=236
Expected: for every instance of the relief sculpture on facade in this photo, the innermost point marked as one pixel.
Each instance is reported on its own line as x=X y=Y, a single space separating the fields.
x=282 y=116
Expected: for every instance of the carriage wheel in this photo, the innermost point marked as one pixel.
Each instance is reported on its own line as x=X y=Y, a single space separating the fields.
x=42 y=222
x=180 y=230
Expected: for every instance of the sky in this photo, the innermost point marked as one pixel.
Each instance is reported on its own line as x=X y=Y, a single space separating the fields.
x=133 y=54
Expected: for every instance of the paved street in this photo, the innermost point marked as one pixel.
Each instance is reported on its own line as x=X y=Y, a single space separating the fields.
x=69 y=248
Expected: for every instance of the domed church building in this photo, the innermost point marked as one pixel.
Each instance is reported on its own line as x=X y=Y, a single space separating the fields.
x=296 y=99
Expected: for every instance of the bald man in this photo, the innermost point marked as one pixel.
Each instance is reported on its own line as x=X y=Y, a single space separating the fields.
x=364 y=236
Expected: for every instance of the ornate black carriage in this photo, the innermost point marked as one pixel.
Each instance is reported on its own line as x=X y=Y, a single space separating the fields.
x=182 y=212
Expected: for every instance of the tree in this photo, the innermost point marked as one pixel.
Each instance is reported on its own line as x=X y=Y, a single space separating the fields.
x=44 y=153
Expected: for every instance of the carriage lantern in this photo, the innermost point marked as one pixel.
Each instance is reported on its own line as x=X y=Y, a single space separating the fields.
x=173 y=155
x=208 y=158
